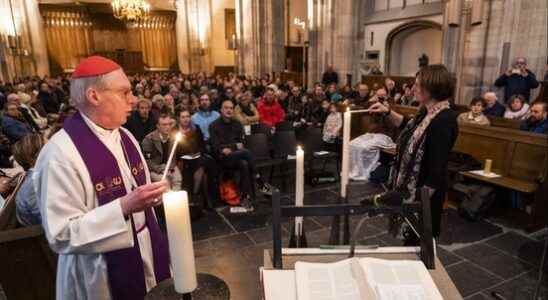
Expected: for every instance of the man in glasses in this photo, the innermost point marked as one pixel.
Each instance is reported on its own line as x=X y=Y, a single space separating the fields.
x=517 y=80
x=204 y=116
x=95 y=195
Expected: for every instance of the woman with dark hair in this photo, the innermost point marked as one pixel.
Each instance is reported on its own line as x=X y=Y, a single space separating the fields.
x=475 y=115
x=424 y=143
x=192 y=160
x=25 y=152
x=517 y=109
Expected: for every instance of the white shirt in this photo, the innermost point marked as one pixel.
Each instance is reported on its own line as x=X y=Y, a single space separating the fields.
x=76 y=227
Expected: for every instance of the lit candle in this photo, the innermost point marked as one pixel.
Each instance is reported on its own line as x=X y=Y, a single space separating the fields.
x=299 y=188
x=345 y=154
x=179 y=235
x=177 y=139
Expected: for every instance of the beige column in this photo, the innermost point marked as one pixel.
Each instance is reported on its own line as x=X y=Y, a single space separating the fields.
x=333 y=34
x=37 y=37
x=181 y=32
x=194 y=35
x=260 y=36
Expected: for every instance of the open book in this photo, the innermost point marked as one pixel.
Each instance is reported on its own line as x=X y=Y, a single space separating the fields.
x=365 y=279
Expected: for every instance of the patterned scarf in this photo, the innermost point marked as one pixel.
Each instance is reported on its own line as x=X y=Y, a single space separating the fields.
x=405 y=172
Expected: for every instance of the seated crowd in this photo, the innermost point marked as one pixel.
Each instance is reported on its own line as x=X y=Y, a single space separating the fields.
x=215 y=113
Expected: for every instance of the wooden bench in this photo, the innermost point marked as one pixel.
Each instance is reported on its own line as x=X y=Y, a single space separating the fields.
x=371 y=80
x=28 y=265
x=503 y=122
x=521 y=158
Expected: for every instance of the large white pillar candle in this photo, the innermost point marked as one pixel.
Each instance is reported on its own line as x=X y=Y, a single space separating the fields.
x=179 y=233
x=345 y=153
x=299 y=188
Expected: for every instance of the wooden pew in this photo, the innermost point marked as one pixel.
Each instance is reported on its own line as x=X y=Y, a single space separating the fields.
x=28 y=267
x=503 y=122
x=371 y=80
x=521 y=158
x=495 y=121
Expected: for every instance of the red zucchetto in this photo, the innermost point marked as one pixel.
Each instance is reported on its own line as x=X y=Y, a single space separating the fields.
x=94 y=66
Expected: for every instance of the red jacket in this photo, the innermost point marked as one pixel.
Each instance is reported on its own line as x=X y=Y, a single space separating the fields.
x=270 y=113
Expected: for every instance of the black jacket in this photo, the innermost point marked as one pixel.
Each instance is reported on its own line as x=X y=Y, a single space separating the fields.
x=49 y=102
x=516 y=84
x=330 y=77
x=139 y=127
x=224 y=134
x=440 y=138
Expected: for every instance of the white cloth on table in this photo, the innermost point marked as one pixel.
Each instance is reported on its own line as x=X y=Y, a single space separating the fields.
x=76 y=227
x=365 y=152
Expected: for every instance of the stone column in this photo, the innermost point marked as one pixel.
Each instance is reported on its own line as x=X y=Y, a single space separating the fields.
x=275 y=42
x=333 y=34
x=260 y=36
x=37 y=37
x=181 y=32
x=193 y=30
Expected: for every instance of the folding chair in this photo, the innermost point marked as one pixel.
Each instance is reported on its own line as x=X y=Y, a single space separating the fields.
x=314 y=150
x=258 y=145
x=284 y=143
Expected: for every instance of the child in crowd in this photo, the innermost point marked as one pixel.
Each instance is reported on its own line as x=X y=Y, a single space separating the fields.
x=475 y=115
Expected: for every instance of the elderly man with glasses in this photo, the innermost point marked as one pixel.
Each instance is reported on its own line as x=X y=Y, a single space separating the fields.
x=517 y=80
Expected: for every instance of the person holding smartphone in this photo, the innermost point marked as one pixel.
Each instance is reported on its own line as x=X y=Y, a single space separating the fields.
x=517 y=80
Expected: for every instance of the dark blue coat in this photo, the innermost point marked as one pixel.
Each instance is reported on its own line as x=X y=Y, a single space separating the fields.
x=516 y=84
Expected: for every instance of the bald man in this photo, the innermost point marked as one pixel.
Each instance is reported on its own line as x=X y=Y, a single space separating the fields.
x=517 y=80
x=492 y=105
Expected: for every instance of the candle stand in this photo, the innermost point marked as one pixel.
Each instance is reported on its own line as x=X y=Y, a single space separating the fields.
x=210 y=287
x=335 y=234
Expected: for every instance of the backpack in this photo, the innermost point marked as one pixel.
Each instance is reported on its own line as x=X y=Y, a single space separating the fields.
x=477 y=199
x=229 y=192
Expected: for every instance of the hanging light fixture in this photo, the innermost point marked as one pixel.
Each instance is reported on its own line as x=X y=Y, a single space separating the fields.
x=130 y=10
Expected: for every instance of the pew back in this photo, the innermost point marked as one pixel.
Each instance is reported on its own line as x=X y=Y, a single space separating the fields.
x=28 y=265
x=515 y=154
x=371 y=80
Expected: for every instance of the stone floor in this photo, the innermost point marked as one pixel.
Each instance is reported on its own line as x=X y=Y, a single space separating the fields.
x=480 y=257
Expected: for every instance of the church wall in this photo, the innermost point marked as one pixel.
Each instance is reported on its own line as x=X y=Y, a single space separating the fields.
x=295 y=33
x=380 y=35
x=520 y=27
x=221 y=55
x=407 y=47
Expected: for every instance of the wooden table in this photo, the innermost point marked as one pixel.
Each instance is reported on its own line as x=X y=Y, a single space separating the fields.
x=445 y=285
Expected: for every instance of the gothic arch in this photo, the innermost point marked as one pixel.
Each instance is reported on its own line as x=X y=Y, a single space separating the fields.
x=405 y=29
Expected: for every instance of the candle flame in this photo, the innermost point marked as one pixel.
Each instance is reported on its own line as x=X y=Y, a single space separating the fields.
x=299 y=148
x=178 y=137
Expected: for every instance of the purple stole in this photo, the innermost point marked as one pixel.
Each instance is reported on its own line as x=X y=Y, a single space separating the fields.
x=125 y=266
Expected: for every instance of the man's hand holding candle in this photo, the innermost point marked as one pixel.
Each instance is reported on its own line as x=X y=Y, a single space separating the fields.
x=143 y=197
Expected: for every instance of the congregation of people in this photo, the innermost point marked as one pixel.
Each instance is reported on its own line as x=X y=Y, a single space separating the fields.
x=214 y=113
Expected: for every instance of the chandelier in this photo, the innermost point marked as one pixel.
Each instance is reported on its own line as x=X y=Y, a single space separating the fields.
x=130 y=10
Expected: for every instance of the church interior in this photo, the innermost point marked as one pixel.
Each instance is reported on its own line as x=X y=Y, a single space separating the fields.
x=291 y=126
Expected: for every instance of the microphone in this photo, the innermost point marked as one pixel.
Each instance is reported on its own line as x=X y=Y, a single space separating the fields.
x=390 y=199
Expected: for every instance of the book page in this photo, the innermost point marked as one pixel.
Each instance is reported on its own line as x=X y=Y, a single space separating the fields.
x=399 y=279
x=279 y=284
x=331 y=281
